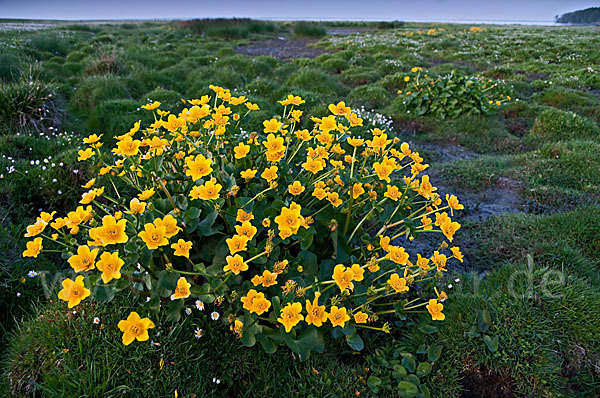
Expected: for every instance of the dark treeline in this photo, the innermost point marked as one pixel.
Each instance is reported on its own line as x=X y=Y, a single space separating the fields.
x=587 y=16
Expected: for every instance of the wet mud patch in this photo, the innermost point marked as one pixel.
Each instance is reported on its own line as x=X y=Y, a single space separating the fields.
x=282 y=48
x=479 y=381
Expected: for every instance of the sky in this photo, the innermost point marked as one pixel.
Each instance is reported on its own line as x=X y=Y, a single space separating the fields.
x=406 y=10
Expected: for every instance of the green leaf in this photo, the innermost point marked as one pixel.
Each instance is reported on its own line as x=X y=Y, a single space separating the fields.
x=308 y=261
x=267 y=344
x=423 y=369
x=374 y=382
x=205 y=226
x=484 y=320
x=407 y=389
x=409 y=363
x=491 y=342
x=429 y=329
x=248 y=339
x=434 y=352
x=168 y=280
x=355 y=342
x=174 y=310
x=104 y=293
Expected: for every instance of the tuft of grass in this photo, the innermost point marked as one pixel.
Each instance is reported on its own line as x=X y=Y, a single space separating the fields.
x=234 y=28
x=96 y=89
x=556 y=125
x=50 y=42
x=309 y=29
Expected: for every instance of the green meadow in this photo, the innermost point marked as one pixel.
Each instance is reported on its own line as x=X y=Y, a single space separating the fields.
x=522 y=310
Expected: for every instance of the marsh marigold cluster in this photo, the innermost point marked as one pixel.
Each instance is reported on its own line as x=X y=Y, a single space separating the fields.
x=302 y=226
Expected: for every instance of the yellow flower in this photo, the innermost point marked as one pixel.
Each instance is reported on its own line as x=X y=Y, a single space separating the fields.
x=136 y=207
x=128 y=146
x=397 y=283
x=170 y=224
x=449 y=228
x=292 y=100
x=453 y=203
x=393 y=193
x=303 y=135
x=241 y=150
x=290 y=316
x=435 y=309
x=110 y=265
x=334 y=199
x=198 y=167
x=314 y=165
x=36 y=229
x=315 y=313
x=274 y=144
x=153 y=236
x=272 y=126
x=358 y=272
x=439 y=260
x=296 y=188
x=248 y=174
x=34 y=248
x=397 y=255
x=270 y=173
x=235 y=264
x=73 y=292
x=246 y=229
x=92 y=139
x=260 y=305
x=237 y=243
x=457 y=254
x=249 y=298
x=328 y=124
x=338 y=316
x=110 y=232
x=151 y=106
x=339 y=109
x=135 y=328
x=357 y=190
x=355 y=142
x=84 y=260
x=423 y=262
x=256 y=280
x=85 y=154
x=147 y=194
x=182 y=248
x=360 y=317
x=182 y=290
x=343 y=277
x=289 y=219
x=207 y=191
x=319 y=193
x=242 y=216
x=266 y=223
x=268 y=278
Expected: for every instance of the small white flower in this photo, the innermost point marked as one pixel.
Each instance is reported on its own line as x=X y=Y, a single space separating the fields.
x=198 y=333
x=450 y=286
x=18 y=294
x=32 y=274
x=457 y=280
x=188 y=311
x=96 y=320
x=214 y=315
x=199 y=305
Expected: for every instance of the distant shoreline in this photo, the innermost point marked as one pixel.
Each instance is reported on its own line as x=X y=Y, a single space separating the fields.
x=282 y=19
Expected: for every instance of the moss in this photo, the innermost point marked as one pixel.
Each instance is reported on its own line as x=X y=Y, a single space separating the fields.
x=114 y=117
x=75 y=56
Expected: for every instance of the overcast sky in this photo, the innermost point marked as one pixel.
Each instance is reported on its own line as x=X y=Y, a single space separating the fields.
x=413 y=10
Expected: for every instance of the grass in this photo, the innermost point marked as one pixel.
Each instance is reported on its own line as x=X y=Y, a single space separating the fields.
x=545 y=145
